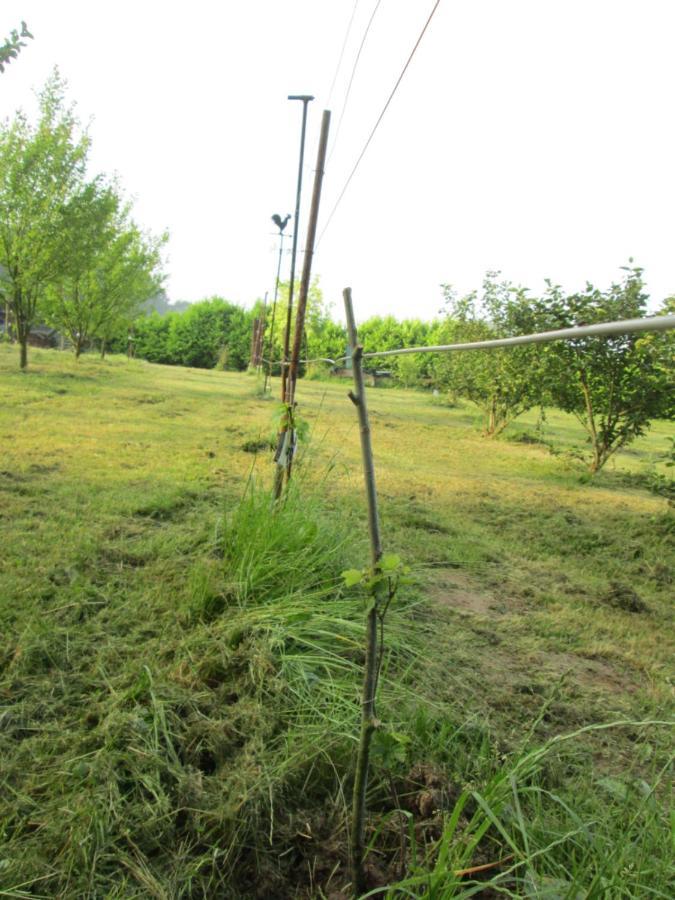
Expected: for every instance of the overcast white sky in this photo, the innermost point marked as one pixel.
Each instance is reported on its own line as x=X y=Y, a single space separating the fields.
x=531 y=136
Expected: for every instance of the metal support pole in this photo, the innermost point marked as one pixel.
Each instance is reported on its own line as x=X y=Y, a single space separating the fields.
x=305 y=98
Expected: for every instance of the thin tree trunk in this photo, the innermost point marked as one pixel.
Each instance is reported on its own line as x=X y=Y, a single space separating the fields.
x=8 y=322
x=590 y=426
x=491 y=419
x=21 y=325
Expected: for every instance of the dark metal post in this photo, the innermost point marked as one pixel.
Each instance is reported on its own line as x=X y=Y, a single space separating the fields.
x=305 y=98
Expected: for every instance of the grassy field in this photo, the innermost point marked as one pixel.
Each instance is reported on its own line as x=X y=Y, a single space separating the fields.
x=180 y=669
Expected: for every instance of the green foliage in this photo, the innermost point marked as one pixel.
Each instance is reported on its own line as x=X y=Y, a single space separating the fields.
x=42 y=195
x=71 y=255
x=408 y=370
x=389 y=749
x=503 y=383
x=539 y=843
x=614 y=385
x=388 y=333
x=198 y=336
x=150 y=338
x=323 y=337
x=111 y=268
x=12 y=45
x=390 y=570
x=209 y=334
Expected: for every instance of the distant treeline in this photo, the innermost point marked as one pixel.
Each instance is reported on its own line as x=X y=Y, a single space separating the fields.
x=215 y=332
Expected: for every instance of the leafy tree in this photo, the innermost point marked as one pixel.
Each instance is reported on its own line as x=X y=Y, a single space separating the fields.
x=67 y=302
x=128 y=274
x=408 y=370
x=111 y=269
x=615 y=386
x=42 y=177
x=12 y=45
x=503 y=383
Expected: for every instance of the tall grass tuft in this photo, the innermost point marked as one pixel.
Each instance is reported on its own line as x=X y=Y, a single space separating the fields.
x=179 y=750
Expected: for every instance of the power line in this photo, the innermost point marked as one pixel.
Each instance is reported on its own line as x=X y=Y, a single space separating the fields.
x=379 y=119
x=351 y=79
x=342 y=53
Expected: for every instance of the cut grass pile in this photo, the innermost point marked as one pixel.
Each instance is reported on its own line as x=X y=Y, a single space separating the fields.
x=161 y=750
x=180 y=665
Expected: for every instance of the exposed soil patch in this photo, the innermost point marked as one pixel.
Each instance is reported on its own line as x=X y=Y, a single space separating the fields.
x=592 y=673
x=456 y=590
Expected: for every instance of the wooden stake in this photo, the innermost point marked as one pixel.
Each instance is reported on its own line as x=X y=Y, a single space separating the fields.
x=309 y=254
x=368 y=719
x=289 y=381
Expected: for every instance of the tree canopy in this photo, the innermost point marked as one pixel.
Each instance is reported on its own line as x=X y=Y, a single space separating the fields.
x=12 y=46
x=615 y=386
x=502 y=383
x=70 y=253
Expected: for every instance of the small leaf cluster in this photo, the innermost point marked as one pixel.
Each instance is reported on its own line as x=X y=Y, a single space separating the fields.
x=12 y=45
x=286 y=416
x=390 y=748
x=390 y=568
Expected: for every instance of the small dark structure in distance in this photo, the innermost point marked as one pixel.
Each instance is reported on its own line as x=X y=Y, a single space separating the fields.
x=371 y=377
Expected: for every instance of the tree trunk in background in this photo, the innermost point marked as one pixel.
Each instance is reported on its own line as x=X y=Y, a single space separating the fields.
x=21 y=325
x=8 y=321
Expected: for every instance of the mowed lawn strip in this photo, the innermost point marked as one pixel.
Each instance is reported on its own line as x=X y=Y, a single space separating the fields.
x=543 y=600
x=578 y=568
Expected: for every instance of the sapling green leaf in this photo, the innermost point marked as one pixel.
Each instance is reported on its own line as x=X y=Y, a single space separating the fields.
x=390 y=748
x=390 y=562
x=352 y=577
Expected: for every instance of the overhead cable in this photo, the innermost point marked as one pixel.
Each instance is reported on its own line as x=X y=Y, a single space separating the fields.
x=379 y=119
x=351 y=79
x=342 y=53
